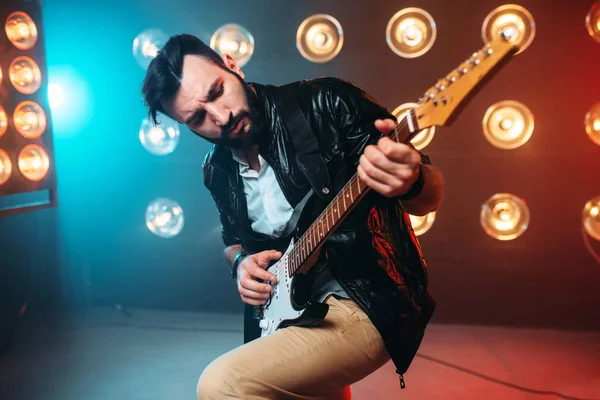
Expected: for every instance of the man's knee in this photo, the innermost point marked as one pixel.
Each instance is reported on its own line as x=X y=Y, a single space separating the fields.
x=214 y=381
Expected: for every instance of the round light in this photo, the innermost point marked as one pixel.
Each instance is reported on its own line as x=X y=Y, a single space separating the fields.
x=234 y=40
x=161 y=139
x=3 y=121
x=0 y=75
x=33 y=162
x=422 y=224
x=164 y=218
x=5 y=167
x=320 y=38
x=25 y=75
x=504 y=216
x=591 y=217
x=56 y=96
x=29 y=120
x=592 y=123
x=512 y=21
x=21 y=30
x=422 y=138
x=508 y=124
x=592 y=21
x=411 y=32
x=147 y=44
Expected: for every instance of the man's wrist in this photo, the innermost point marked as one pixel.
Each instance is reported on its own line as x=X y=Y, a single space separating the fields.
x=417 y=186
x=236 y=262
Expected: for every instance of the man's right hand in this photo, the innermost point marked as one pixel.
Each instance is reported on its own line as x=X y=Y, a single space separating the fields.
x=251 y=269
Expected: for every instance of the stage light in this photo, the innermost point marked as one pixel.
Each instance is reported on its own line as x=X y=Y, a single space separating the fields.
x=164 y=218
x=422 y=224
x=25 y=75
x=320 y=38
x=147 y=44
x=5 y=167
x=411 y=32
x=504 y=216
x=591 y=217
x=21 y=30
x=162 y=139
x=592 y=123
x=234 y=40
x=3 y=122
x=0 y=75
x=510 y=20
x=56 y=96
x=29 y=120
x=508 y=124
x=423 y=138
x=592 y=21
x=33 y=162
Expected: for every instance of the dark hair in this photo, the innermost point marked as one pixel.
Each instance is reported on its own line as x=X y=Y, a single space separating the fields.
x=163 y=76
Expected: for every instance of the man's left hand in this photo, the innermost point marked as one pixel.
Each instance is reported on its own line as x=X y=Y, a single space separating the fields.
x=390 y=168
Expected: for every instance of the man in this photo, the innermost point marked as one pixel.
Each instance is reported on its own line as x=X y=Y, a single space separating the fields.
x=370 y=272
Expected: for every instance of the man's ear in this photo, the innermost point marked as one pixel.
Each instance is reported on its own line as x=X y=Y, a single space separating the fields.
x=232 y=65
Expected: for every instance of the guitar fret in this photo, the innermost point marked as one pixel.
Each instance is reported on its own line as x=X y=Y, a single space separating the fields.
x=291 y=266
x=358 y=185
x=320 y=228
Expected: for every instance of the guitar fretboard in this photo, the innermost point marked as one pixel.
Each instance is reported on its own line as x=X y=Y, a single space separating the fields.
x=339 y=208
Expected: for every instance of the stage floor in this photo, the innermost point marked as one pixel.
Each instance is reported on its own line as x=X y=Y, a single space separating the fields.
x=159 y=355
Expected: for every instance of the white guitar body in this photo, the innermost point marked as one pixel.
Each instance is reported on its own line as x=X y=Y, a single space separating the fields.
x=285 y=308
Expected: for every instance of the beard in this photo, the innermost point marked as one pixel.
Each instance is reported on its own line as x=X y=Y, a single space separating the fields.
x=255 y=123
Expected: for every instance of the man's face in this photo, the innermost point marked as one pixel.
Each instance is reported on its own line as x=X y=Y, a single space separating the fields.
x=215 y=104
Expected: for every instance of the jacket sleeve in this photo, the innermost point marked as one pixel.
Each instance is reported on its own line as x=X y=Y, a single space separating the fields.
x=216 y=181
x=356 y=112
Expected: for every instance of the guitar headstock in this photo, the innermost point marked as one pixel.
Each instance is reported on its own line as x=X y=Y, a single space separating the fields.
x=443 y=101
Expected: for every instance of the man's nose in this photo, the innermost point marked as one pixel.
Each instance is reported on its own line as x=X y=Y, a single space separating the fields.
x=220 y=115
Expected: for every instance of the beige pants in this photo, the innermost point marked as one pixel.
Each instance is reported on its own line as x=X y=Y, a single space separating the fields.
x=300 y=363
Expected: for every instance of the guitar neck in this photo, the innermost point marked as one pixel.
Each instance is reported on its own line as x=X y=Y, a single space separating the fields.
x=341 y=206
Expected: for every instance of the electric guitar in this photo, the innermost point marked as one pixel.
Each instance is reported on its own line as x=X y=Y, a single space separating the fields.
x=440 y=105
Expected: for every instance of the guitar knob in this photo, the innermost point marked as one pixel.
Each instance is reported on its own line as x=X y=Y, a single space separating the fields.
x=264 y=324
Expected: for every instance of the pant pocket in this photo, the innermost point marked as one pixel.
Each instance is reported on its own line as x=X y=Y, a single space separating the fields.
x=348 y=307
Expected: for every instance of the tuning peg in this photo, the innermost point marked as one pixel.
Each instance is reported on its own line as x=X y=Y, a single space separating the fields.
x=462 y=71
x=451 y=80
x=507 y=34
x=488 y=52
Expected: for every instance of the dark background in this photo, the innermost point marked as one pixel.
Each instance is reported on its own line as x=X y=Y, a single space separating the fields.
x=95 y=247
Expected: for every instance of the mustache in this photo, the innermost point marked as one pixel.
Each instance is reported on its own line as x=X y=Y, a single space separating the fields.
x=233 y=121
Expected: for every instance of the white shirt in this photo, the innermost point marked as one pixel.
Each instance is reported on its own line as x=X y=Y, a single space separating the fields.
x=268 y=209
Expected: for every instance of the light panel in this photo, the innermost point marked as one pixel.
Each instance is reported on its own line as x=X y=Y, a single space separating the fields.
x=411 y=32
x=320 y=38
x=504 y=216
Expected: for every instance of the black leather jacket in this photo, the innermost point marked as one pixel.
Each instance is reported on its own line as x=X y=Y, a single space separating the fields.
x=374 y=254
